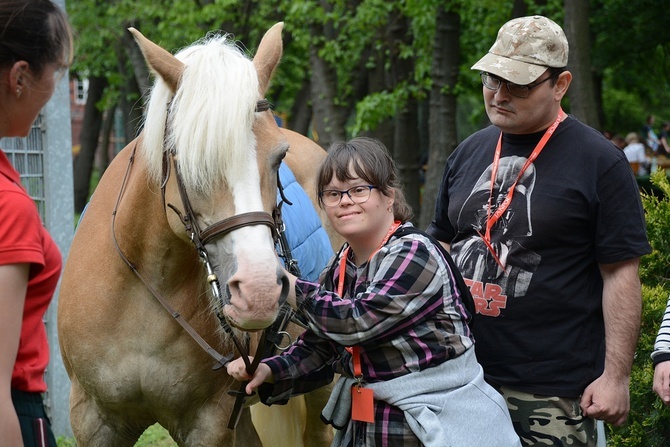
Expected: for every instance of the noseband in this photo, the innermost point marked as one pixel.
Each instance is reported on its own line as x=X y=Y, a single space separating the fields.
x=200 y=239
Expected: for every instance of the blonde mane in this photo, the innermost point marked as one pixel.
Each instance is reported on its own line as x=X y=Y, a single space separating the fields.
x=210 y=116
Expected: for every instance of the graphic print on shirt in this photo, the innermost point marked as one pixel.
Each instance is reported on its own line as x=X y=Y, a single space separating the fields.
x=489 y=284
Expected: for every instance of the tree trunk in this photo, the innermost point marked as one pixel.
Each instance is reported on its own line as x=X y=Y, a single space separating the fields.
x=329 y=118
x=301 y=112
x=406 y=151
x=107 y=129
x=377 y=81
x=140 y=69
x=519 y=9
x=83 y=164
x=442 y=121
x=134 y=90
x=581 y=92
x=132 y=109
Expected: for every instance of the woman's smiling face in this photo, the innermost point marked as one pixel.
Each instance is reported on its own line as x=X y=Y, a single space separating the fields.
x=357 y=221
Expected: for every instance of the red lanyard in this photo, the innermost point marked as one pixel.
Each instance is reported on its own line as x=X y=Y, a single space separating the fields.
x=492 y=219
x=354 y=350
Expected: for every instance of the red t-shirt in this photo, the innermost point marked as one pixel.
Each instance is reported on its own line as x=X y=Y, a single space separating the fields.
x=23 y=239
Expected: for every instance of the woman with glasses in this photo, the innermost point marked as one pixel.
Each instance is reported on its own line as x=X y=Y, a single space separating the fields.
x=388 y=314
x=35 y=49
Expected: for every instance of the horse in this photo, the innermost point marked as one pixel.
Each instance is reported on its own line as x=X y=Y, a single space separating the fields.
x=174 y=261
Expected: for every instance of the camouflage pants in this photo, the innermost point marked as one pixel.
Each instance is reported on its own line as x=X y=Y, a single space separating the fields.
x=548 y=420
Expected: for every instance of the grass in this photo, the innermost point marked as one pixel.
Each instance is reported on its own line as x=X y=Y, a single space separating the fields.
x=154 y=436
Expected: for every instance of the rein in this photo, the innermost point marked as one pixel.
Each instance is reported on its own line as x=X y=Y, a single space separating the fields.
x=200 y=238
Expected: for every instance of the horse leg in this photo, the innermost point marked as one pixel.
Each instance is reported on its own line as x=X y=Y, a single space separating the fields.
x=91 y=425
x=281 y=425
x=317 y=433
x=245 y=433
x=207 y=426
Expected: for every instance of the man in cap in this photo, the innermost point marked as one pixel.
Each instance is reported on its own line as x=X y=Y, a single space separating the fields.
x=542 y=215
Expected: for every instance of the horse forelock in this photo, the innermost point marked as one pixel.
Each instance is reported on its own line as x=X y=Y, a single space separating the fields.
x=210 y=117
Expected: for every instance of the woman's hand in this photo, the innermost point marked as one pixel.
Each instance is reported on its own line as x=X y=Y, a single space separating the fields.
x=237 y=369
x=662 y=381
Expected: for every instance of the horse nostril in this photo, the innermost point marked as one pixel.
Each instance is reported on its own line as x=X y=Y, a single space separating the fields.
x=234 y=288
x=285 y=289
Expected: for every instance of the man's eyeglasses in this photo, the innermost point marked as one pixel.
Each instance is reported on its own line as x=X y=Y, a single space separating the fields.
x=494 y=83
x=357 y=194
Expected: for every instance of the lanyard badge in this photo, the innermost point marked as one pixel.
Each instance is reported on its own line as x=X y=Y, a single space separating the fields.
x=362 y=399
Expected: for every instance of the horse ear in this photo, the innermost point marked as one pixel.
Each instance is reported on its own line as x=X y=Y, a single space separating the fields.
x=160 y=60
x=268 y=55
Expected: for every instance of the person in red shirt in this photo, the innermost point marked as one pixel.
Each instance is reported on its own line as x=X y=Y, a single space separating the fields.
x=35 y=50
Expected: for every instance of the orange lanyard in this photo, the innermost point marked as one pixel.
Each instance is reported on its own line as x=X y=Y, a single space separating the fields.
x=354 y=350
x=492 y=219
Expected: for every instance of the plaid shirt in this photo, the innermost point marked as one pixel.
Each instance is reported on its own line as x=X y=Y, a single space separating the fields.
x=401 y=308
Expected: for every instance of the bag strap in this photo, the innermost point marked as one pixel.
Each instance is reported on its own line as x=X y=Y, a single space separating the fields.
x=464 y=290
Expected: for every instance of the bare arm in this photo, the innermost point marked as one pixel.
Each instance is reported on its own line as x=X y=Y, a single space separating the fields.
x=666 y=146
x=608 y=398
x=661 y=358
x=13 y=286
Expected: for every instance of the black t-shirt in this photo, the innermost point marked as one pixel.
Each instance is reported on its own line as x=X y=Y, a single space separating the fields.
x=539 y=325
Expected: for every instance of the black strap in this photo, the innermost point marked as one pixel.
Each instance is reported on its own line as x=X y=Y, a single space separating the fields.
x=466 y=296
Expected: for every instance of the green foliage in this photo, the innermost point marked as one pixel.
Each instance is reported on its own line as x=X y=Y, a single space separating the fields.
x=630 y=49
x=377 y=107
x=655 y=267
x=154 y=436
x=648 y=423
x=630 y=45
x=62 y=441
x=623 y=110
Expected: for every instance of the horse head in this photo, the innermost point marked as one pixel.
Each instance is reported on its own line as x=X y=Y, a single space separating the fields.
x=213 y=147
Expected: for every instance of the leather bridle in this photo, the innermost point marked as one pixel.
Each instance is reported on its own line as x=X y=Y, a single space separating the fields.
x=200 y=238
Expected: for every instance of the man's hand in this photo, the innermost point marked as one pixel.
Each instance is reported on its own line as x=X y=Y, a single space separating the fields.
x=607 y=399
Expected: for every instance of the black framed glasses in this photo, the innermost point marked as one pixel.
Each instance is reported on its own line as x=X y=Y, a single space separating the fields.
x=357 y=194
x=494 y=83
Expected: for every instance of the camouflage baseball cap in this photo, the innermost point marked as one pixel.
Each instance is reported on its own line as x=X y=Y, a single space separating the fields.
x=524 y=49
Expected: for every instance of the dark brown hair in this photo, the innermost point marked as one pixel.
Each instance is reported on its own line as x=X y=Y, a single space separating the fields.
x=369 y=160
x=35 y=31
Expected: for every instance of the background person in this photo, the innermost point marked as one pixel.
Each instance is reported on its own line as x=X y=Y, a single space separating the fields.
x=664 y=139
x=35 y=50
x=619 y=141
x=543 y=218
x=636 y=154
x=390 y=294
x=650 y=135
